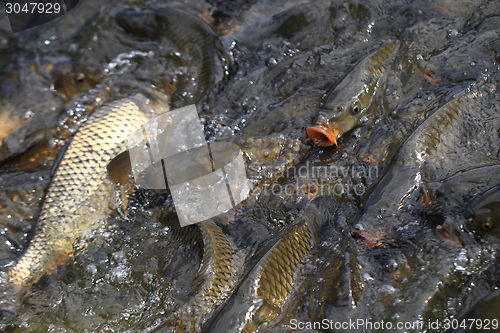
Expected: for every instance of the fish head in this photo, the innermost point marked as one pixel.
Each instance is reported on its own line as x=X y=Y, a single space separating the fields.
x=330 y=125
x=343 y=108
x=485 y=220
x=483 y=215
x=382 y=230
x=349 y=103
x=71 y=77
x=375 y=231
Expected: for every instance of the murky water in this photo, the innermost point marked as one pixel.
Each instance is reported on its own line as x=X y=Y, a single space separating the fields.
x=437 y=261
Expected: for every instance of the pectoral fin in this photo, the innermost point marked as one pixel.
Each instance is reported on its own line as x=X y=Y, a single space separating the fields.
x=119 y=167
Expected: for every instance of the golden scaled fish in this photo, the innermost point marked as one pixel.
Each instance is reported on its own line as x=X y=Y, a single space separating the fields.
x=203 y=53
x=261 y=296
x=78 y=196
x=216 y=279
x=405 y=176
x=222 y=263
x=350 y=101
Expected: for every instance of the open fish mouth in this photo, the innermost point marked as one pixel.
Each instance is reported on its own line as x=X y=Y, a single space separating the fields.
x=369 y=241
x=323 y=134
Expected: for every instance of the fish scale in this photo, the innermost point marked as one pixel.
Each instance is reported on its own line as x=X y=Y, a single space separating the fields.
x=219 y=252
x=267 y=285
x=216 y=278
x=277 y=276
x=77 y=198
x=430 y=134
x=405 y=175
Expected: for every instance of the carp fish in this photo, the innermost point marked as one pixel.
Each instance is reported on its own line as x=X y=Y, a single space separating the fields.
x=77 y=198
x=261 y=297
x=459 y=138
x=208 y=61
x=348 y=103
x=404 y=177
x=217 y=277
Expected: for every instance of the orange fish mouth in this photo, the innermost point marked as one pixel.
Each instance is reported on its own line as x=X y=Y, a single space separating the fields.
x=368 y=241
x=323 y=134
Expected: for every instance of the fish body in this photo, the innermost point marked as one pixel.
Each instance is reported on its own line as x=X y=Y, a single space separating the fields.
x=348 y=103
x=77 y=198
x=405 y=176
x=215 y=281
x=203 y=54
x=261 y=296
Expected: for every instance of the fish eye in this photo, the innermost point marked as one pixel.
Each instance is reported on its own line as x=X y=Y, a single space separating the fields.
x=486 y=224
x=355 y=109
x=80 y=77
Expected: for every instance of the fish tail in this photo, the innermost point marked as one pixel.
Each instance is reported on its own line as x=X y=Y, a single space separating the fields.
x=39 y=257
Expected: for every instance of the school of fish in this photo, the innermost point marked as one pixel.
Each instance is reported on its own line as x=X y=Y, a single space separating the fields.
x=311 y=86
